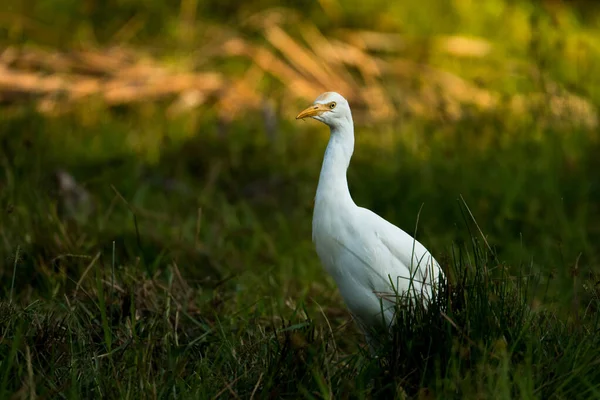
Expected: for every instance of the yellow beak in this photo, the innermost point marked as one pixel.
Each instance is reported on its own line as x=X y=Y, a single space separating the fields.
x=313 y=111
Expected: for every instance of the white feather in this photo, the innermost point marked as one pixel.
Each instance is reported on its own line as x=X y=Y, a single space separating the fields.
x=363 y=252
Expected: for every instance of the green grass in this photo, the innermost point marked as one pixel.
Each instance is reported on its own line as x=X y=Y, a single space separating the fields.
x=189 y=272
x=194 y=275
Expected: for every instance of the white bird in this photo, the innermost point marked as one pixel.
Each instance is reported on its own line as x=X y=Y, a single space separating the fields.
x=370 y=259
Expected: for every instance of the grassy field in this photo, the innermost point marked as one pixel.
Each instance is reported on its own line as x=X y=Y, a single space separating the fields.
x=147 y=253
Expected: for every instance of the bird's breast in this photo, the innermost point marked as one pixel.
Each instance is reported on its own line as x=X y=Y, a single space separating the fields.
x=340 y=244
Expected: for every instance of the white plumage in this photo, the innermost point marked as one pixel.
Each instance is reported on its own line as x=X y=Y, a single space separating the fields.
x=363 y=252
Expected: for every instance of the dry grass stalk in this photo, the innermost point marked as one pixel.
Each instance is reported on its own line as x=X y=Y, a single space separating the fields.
x=380 y=85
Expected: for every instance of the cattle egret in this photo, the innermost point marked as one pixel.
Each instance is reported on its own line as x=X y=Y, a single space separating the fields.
x=371 y=260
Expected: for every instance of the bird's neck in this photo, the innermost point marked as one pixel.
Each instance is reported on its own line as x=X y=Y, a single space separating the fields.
x=333 y=184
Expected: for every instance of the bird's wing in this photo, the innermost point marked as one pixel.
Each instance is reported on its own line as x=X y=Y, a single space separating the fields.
x=411 y=257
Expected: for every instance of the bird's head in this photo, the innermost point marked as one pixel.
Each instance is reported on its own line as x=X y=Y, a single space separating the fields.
x=330 y=108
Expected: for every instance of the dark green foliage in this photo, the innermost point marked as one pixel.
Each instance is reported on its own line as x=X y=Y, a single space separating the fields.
x=144 y=296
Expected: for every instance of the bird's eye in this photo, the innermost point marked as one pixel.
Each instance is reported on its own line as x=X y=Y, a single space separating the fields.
x=332 y=105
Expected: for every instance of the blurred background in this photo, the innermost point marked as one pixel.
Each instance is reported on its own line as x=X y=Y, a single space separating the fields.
x=167 y=129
